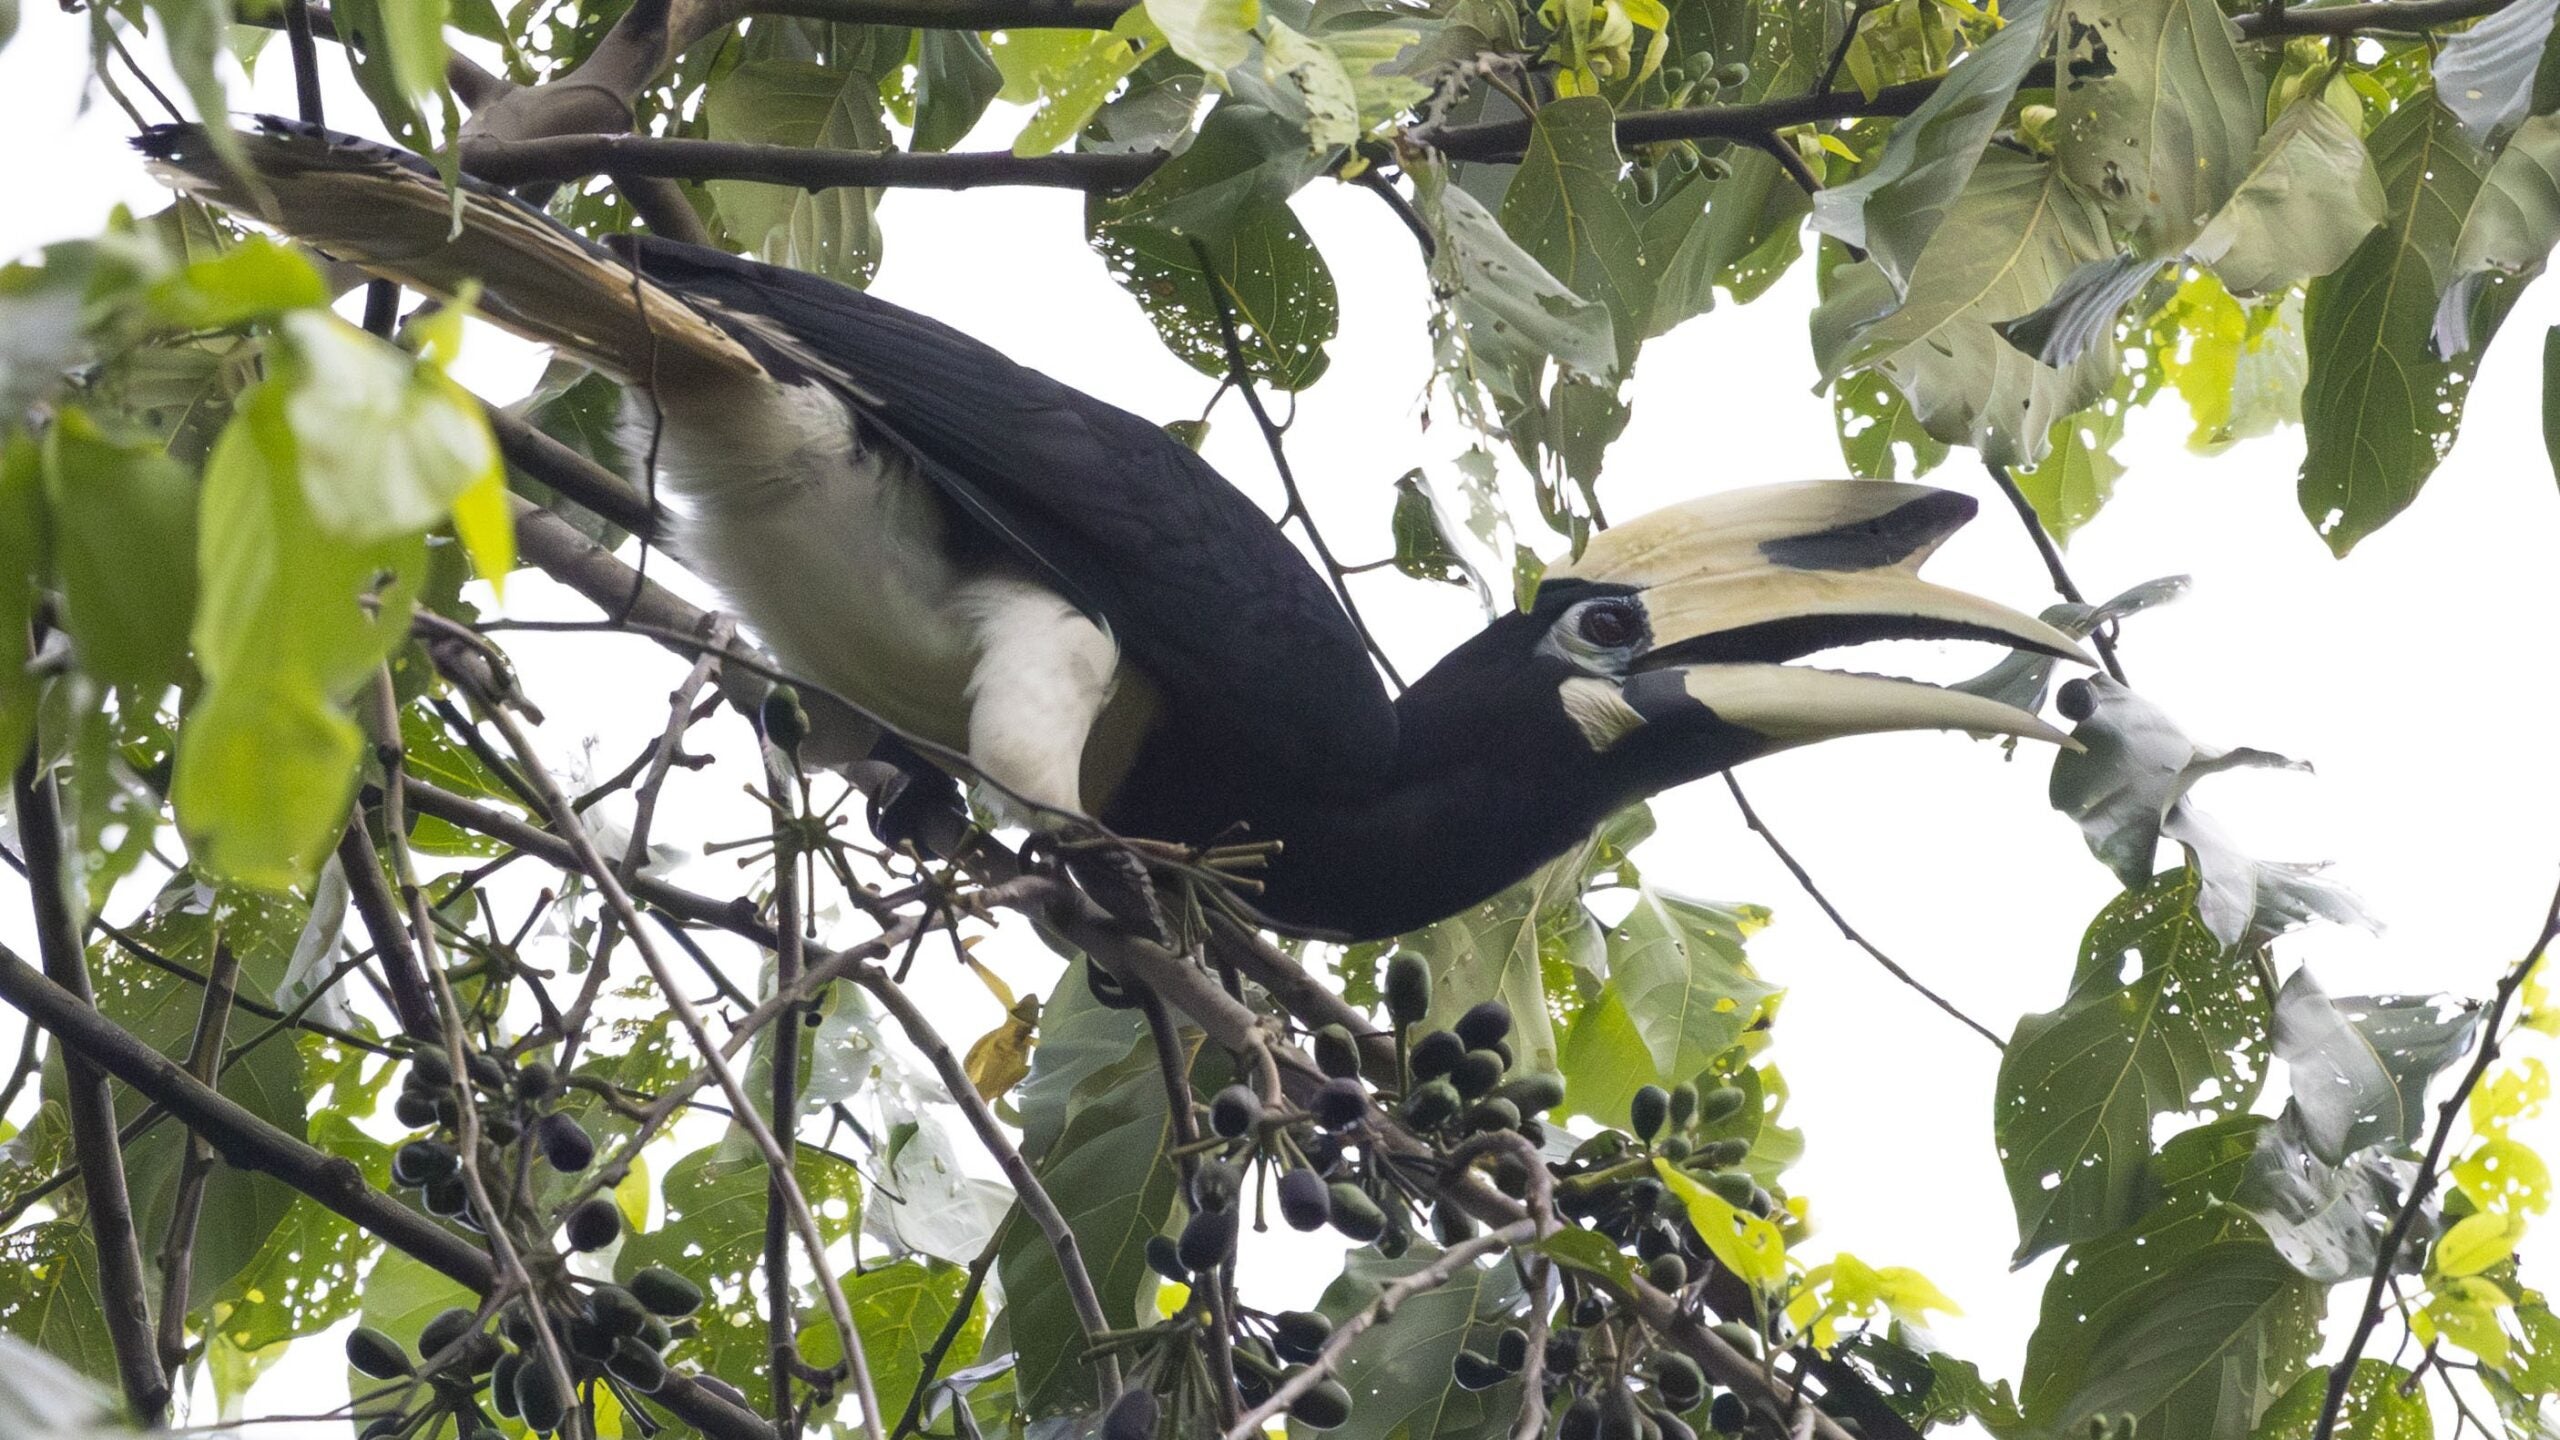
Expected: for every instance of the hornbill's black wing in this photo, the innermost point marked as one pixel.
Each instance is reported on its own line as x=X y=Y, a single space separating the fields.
x=1200 y=588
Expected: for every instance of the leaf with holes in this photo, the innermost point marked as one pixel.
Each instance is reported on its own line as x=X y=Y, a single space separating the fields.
x=2361 y=1064
x=832 y=232
x=2310 y=195
x=2157 y=113
x=1679 y=994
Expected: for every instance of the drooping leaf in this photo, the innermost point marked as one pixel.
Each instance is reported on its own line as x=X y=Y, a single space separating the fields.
x=2361 y=1064
x=2157 y=113
x=1563 y=207
x=398 y=48
x=384 y=444
x=2379 y=412
x=1215 y=35
x=1309 y=70
x=2514 y=219
x=2326 y=1218
x=1070 y=73
x=956 y=79
x=2484 y=74
x=2163 y=1018
x=831 y=232
x=2006 y=243
x=2309 y=196
x=1399 y=1374
x=2082 y=310
x=1894 y=210
x=2188 y=1321
x=2020 y=678
x=123 y=542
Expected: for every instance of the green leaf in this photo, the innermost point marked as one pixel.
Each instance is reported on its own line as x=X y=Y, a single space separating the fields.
x=1564 y=209
x=1212 y=34
x=2188 y=1321
x=2379 y=412
x=252 y=280
x=1679 y=995
x=2007 y=243
x=1742 y=1242
x=1103 y=1109
x=1877 y=430
x=2077 y=475
x=22 y=569
x=2485 y=73
x=1503 y=305
x=2361 y=1065
x=289 y=620
x=49 y=1295
x=899 y=1309
x=2310 y=195
x=1309 y=69
x=2162 y=1019
x=304 y=1278
x=1227 y=196
x=1500 y=951
x=2375 y=1408
x=956 y=79
x=1894 y=209
x=2324 y=1217
x=1070 y=73
x=124 y=541
x=2157 y=113
x=398 y=49
x=831 y=232
x=2513 y=221
x=1750 y=233
x=1400 y=1372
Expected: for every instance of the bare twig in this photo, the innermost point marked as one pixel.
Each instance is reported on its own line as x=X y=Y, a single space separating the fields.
x=414 y=1003
x=958 y=1321
x=2062 y=582
x=575 y=157
x=1849 y=932
x=2342 y=1374
x=788 y=956
x=178 y=1247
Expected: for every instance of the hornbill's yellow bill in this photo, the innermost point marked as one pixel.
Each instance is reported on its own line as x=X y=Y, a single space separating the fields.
x=984 y=564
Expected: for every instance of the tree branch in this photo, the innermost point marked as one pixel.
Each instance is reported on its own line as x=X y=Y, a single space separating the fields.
x=573 y=157
x=2052 y=554
x=178 y=1247
x=410 y=997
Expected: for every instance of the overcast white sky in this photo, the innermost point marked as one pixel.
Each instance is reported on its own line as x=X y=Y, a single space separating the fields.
x=2417 y=676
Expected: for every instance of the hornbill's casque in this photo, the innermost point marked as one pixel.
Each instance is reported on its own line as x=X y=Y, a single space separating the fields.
x=1001 y=566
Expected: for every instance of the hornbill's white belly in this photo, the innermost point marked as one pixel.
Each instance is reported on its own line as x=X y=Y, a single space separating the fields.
x=834 y=556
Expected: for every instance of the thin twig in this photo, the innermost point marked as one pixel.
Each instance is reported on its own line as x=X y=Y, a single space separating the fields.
x=1777 y=148
x=1849 y=932
x=178 y=1247
x=2342 y=1374
x=788 y=957
x=411 y=1000
x=956 y=1322
x=573 y=157
x=2062 y=583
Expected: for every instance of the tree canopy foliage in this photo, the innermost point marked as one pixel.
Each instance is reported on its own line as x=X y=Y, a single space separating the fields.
x=299 y=1058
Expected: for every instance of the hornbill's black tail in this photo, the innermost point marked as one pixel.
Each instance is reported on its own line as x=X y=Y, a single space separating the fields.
x=387 y=212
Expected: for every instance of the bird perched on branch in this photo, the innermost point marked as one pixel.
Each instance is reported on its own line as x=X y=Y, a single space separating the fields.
x=1050 y=594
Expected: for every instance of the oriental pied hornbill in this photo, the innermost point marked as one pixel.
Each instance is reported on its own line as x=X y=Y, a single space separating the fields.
x=997 y=564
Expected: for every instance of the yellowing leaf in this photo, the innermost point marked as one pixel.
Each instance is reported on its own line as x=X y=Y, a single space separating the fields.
x=1000 y=1059
x=386 y=444
x=1209 y=33
x=2465 y=1312
x=2509 y=1096
x=2504 y=1174
x=2477 y=1242
x=1309 y=67
x=2533 y=1004
x=1742 y=1242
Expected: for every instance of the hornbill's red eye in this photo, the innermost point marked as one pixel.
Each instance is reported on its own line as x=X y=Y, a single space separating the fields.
x=1610 y=624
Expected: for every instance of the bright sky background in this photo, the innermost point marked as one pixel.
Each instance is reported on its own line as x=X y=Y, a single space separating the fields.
x=2417 y=676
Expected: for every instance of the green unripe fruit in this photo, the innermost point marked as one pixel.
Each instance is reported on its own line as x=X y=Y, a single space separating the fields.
x=535 y=1080
x=502 y=1385
x=585 y=1338
x=1741 y=1337
x=498 y=1130
x=1494 y=1113
x=1680 y=1381
x=424 y=1162
x=1436 y=1054
x=1484 y=1025
x=1234 y=1111
x=657 y=1334
x=1433 y=1104
x=1299 y=1335
x=1534 y=1094
x=1581 y=1420
x=415 y=1109
x=1646 y=1112
x=1684 y=1104
x=1721 y=1154
x=486 y=1072
x=447 y=1327
x=1647 y=186
x=1476 y=1073
x=616 y=1311
x=1325 y=1407
x=784 y=718
x=1733 y=73
x=1729 y=1414
x=1341 y=1104
x=564 y=1142
x=1215 y=1184
x=540 y=1402
x=1732 y=1187
x=594 y=1224
x=1720 y=1104
x=1132 y=1417
x=1672 y=1148
x=1337 y=1053
x=1620 y=1419
x=636 y=1365
x=1303 y=1202
x=1165 y=1258
x=428 y=1070
x=665 y=1292
x=1511 y=1349
x=1451 y=1225
x=1408 y=988
x=376 y=1355
x=1476 y=1372
x=1354 y=1214
x=1208 y=1238
x=1666 y=1272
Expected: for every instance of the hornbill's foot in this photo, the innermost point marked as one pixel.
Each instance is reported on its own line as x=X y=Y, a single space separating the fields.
x=1113 y=872
x=920 y=810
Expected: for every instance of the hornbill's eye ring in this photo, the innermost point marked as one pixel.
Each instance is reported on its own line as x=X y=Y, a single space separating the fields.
x=1609 y=624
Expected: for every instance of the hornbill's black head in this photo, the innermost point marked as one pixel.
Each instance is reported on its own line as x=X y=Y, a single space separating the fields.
x=1656 y=657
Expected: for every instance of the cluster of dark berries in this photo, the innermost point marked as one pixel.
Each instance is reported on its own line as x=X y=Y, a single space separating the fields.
x=514 y=1104
x=614 y=1335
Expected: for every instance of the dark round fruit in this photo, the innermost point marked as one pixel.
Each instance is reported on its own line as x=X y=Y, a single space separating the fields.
x=1436 y=1054
x=1302 y=1199
x=1534 y=1094
x=486 y=1072
x=447 y=1327
x=1165 y=1258
x=1511 y=1349
x=415 y=1109
x=1396 y=1241
x=535 y=1080
x=1564 y=1351
x=1341 y=1104
x=1684 y=1104
x=446 y=1197
x=1408 y=988
x=636 y=1365
x=1208 y=1238
x=728 y=1393
x=1581 y=1420
x=1299 y=1335
x=1493 y=1113
x=1109 y=990
x=565 y=1143
x=1234 y=1111
x=1670 y=1426
x=1533 y=1130
x=428 y=1070
x=1646 y=1112
x=1132 y=1417
x=1718 y=1154
x=1354 y=1213
x=1644 y=1195
x=1432 y=1104
x=1674 y=1148
x=1679 y=1379
x=1666 y=1271
x=585 y=1338
x=1215 y=1184
x=539 y=1399
x=502 y=1384
x=1476 y=1372
x=1484 y=1025
x=1476 y=1073
x=1740 y=1336
x=665 y=1292
x=594 y=1224
x=375 y=1354
x=1720 y=1104
x=424 y=1162
x=1620 y=1418
x=1729 y=1414
x=1590 y=1310
x=1451 y=1225
x=1325 y=1407
x=617 y=1312
x=480 y=1353
x=498 y=1129
x=657 y=1334
x=1337 y=1054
